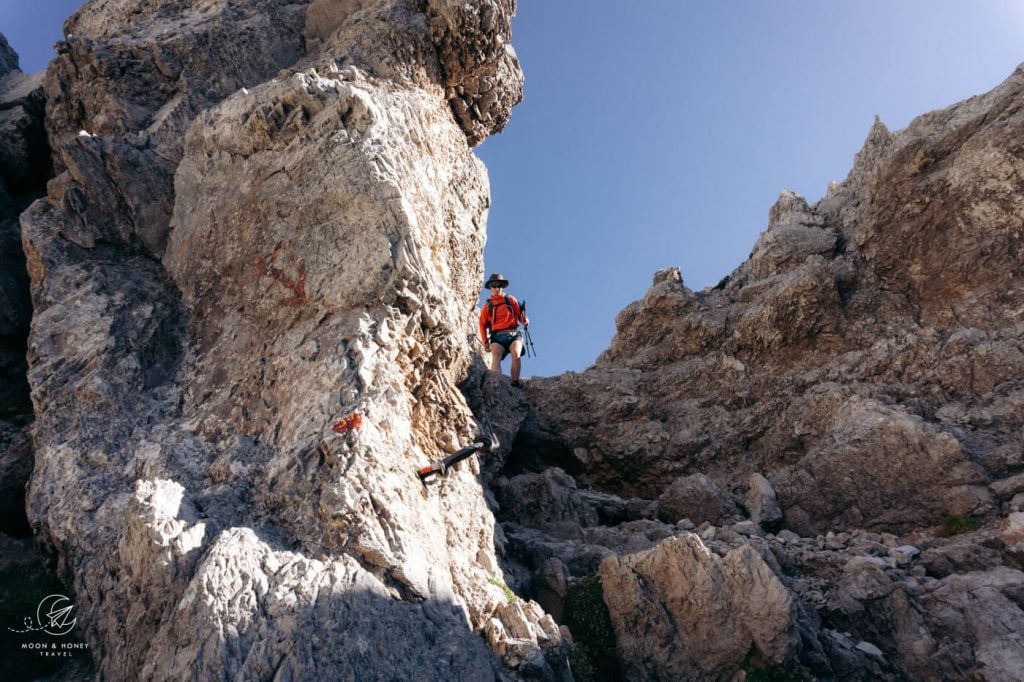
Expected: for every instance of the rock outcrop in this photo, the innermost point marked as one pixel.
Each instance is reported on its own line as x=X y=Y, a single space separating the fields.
x=252 y=285
x=681 y=612
x=26 y=573
x=858 y=377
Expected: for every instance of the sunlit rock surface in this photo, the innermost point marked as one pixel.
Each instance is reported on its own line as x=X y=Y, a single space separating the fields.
x=253 y=282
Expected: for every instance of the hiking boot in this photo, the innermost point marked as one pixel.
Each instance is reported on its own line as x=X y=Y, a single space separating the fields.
x=517 y=384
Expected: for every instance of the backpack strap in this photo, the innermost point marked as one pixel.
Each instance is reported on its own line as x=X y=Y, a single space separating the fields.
x=490 y=311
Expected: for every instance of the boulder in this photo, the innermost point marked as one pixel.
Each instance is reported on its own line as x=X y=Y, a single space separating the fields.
x=696 y=498
x=762 y=503
x=548 y=501
x=977 y=621
x=681 y=612
x=876 y=454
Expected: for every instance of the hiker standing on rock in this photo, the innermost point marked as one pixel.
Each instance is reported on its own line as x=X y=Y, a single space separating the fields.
x=500 y=318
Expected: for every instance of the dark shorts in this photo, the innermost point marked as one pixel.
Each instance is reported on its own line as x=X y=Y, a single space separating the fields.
x=505 y=340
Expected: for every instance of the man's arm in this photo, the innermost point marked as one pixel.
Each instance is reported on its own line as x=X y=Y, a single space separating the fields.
x=483 y=327
x=520 y=313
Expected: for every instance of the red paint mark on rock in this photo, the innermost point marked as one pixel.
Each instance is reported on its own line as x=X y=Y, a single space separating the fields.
x=266 y=267
x=349 y=423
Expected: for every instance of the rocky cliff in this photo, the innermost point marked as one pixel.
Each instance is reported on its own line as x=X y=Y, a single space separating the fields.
x=860 y=377
x=253 y=277
x=254 y=232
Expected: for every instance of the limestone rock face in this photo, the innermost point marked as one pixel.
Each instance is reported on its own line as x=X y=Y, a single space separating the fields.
x=682 y=613
x=253 y=285
x=481 y=73
x=129 y=78
x=24 y=169
x=25 y=156
x=15 y=315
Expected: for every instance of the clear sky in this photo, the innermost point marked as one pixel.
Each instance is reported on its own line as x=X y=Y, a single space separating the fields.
x=658 y=133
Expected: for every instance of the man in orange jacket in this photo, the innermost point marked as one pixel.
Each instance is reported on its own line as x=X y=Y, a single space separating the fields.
x=500 y=318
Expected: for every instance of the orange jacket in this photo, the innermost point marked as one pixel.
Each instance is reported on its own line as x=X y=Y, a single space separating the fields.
x=505 y=317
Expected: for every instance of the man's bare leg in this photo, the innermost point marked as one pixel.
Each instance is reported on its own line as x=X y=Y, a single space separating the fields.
x=516 y=349
x=496 y=351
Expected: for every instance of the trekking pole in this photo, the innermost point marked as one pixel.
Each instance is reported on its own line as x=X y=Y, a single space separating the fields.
x=531 y=352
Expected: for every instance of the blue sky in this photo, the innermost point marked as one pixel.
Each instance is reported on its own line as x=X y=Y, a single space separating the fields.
x=659 y=132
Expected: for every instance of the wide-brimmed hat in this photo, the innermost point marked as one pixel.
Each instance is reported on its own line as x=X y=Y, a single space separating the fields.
x=496 y=280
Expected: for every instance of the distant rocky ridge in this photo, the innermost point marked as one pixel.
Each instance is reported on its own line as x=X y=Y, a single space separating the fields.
x=861 y=374
x=252 y=279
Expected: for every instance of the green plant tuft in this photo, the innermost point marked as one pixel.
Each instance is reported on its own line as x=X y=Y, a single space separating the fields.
x=955 y=524
x=584 y=612
x=775 y=673
x=509 y=594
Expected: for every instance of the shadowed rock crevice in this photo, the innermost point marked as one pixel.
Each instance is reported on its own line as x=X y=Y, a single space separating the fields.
x=24 y=170
x=532 y=451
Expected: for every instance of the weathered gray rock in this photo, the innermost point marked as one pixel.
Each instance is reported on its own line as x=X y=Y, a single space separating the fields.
x=904 y=459
x=24 y=168
x=706 y=614
x=763 y=503
x=15 y=469
x=480 y=69
x=1008 y=487
x=15 y=316
x=970 y=552
x=8 y=57
x=696 y=498
x=980 y=620
x=547 y=501
x=550 y=585
x=25 y=154
x=128 y=80
x=271 y=345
